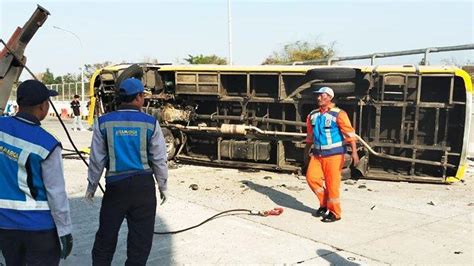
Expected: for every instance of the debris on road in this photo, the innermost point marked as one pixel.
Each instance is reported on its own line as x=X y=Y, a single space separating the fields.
x=249 y=170
x=172 y=165
x=294 y=188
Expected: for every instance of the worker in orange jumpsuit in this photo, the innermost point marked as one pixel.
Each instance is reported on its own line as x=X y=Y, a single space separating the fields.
x=328 y=131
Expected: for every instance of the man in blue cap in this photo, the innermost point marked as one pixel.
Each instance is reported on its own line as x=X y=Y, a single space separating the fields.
x=129 y=144
x=35 y=222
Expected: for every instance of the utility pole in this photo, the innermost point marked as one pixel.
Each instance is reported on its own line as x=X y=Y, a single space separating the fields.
x=230 y=31
x=82 y=65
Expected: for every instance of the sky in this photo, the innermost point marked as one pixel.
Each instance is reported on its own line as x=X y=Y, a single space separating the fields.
x=132 y=31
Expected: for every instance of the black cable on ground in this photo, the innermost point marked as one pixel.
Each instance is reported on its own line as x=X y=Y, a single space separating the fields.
x=71 y=150
x=54 y=109
x=68 y=135
x=64 y=155
x=205 y=221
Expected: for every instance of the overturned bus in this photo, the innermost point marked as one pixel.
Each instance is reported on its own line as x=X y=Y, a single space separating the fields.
x=413 y=121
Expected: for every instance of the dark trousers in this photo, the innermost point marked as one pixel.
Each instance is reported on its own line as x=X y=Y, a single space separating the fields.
x=30 y=247
x=133 y=198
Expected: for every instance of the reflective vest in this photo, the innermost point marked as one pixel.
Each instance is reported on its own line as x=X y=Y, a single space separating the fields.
x=127 y=134
x=327 y=137
x=24 y=145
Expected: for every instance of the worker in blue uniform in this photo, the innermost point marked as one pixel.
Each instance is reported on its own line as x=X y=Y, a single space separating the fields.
x=129 y=144
x=35 y=221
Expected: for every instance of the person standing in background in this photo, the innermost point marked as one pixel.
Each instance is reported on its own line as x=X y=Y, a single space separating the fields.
x=76 y=111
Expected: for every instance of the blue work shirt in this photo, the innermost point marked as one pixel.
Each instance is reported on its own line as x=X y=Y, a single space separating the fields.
x=125 y=163
x=49 y=190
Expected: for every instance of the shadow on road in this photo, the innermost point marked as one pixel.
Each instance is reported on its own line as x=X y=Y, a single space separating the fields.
x=335 y=259
x=278 y=197
x=85 y=220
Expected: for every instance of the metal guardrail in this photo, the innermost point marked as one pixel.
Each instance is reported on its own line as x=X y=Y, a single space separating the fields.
x=68 y=90
x=373 y=56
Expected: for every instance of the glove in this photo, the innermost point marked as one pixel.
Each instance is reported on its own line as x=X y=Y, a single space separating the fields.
x=89 y=197
x=66 y=245
x=162 y=197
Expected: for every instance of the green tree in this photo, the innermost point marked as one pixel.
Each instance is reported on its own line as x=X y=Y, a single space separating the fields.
x=48 y=77
x=89 y=69
x=300 y=51
x=205 y=59
x=68 y=78
x=58 y=80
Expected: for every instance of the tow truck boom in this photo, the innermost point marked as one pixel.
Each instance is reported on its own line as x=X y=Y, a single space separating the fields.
x=10 y=68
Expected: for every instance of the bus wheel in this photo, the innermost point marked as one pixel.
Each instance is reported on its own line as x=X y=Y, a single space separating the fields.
x=339 y=88
x=134 y=71
x=169 y=142
x=331 y=74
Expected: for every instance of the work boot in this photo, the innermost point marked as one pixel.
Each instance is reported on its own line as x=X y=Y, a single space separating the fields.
x=320 y=212
x=330 y=218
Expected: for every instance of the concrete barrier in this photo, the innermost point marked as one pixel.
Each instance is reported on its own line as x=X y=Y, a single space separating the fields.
x=65 y=111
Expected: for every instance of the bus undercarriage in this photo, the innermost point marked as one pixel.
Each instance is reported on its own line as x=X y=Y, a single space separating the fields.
x=414 y=120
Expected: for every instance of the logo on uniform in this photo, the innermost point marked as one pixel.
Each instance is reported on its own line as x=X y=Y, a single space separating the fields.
x=328 y=120
x=9 y=153
x=126 y=133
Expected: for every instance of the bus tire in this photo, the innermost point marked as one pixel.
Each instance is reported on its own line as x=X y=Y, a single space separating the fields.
x=331 y=74
x=133 y=71
x=169 y=142
x=339 y=88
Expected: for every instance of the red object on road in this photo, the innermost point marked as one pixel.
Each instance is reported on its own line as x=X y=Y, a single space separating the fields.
x=276 y=211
